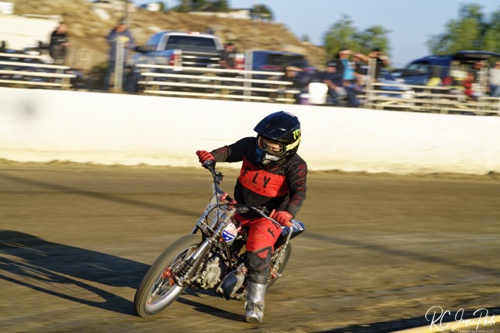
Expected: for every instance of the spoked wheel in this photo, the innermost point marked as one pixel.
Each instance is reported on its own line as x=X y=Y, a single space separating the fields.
x=282 y=257
x=159 y=289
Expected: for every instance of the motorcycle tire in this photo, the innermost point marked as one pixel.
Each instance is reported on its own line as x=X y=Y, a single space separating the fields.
x=155 y=292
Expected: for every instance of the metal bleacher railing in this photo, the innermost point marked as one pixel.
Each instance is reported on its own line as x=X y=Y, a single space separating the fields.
x=21 y=70
x=216 y=83
x=435 y=99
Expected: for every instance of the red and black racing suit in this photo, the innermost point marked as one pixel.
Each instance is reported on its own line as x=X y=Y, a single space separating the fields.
x=281 y=187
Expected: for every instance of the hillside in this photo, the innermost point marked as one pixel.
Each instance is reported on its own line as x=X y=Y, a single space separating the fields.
x=88 y=30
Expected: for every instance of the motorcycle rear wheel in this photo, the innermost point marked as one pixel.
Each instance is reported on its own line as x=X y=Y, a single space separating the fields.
x=158 y=288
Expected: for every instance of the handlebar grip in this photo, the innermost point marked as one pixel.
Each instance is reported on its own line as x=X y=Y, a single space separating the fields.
x=209 y=164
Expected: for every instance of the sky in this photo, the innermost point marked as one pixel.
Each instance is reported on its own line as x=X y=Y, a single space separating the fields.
x=411 y=22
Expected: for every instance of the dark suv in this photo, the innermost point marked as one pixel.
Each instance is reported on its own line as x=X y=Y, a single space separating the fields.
x=279 y=61
x=276 y=61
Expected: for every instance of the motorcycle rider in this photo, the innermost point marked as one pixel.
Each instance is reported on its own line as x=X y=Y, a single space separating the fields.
x=272 y=175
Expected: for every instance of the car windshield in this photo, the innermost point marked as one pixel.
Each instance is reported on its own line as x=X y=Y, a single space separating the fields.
x=190 y=41
x=417 y=68
x=287 y=60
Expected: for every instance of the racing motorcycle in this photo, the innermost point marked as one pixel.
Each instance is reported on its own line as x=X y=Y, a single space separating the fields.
x=211 y=257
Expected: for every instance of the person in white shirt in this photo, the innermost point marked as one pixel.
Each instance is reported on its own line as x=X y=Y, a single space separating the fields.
x=494 y=80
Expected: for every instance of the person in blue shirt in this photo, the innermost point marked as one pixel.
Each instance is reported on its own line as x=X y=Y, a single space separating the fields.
x=119 y=35
x=338 y=90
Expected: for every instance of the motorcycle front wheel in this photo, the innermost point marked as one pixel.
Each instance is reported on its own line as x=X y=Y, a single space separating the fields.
x=278 y=263
x=158 y=288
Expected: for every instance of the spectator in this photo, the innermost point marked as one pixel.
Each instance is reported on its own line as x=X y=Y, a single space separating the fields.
x=344 y=66
x=435 y=77
x=359 y=61
x=119 y=35
x=477 y=71
x=336 y=87
x=59 y=43
x=494 y=80
x=228 y=56
x=472 y=88
x=381 y=60
x=299 y=82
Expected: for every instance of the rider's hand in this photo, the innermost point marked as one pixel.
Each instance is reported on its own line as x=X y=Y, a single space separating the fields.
x=204 y=156
x=282 y=217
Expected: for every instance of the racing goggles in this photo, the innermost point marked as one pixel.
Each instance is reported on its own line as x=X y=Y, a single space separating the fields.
x=270 y=147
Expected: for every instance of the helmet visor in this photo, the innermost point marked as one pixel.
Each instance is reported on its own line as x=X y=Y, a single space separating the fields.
x=271 y=147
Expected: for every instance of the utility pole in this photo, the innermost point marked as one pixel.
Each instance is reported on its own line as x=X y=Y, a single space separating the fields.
x=125 y=11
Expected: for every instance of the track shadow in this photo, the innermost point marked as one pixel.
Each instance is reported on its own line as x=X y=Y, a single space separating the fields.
x=208 y=309
x=99 y=195
x=437 y=320
x=68 y=272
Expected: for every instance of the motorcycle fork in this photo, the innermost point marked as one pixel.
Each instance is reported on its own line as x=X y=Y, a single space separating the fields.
x=275 y=267
x=191 y=264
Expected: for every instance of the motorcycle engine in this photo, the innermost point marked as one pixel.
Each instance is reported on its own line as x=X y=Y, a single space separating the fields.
x=211 y=275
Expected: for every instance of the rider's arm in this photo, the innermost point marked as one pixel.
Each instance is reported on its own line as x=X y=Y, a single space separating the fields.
x=296 y=178
x=234 y=152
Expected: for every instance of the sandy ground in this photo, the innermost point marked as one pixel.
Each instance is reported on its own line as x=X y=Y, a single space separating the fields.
x=379 y=252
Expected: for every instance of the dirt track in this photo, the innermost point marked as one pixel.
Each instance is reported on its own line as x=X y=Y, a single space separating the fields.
x=379 y=250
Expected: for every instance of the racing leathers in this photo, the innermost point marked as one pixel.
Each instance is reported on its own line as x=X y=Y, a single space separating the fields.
x=280 y=188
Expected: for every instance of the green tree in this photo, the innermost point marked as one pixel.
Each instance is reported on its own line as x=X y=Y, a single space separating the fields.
x=163 y=6
x=184 y=6
x=344 y=35
x=491 y=39
x=219 y=6
x=202 y=6
x=262 y=12
x=373 y=37
x=471 y=31
x=199 y=5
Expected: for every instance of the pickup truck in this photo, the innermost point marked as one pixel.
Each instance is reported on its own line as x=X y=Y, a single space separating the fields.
x=177 y=48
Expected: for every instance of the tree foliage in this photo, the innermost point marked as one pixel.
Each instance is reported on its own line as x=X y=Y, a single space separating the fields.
x=202 y=6
x=344 y=35
x=262 y=12
x=163 y=6
x=471 y=31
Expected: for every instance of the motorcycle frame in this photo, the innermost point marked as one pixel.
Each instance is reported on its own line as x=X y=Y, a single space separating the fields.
x=225 y=208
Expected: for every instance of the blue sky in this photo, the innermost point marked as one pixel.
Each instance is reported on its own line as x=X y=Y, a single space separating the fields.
x=410 y=22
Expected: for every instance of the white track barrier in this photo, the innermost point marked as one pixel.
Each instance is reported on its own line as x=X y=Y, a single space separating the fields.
x=46 y=125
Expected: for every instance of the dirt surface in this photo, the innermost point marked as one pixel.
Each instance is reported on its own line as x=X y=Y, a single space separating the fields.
x=379 y=251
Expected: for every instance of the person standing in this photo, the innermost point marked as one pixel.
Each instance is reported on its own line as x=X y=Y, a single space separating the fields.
x=337 y=90
x=494 y=80
x=228 y=56
x=344 y=66
x=119 y=36
x=381 y=61
x=59 y=44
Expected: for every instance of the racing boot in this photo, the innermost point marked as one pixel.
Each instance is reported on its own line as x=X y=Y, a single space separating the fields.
x=254 y=306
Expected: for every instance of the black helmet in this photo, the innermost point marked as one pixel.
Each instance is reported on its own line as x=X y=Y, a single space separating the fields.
x=279 y=128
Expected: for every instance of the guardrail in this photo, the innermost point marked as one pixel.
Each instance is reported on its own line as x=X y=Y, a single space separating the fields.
x=434 y=99
x=33 y=74
x=216 y=83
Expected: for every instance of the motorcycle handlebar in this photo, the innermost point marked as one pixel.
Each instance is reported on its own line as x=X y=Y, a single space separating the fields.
x=263 y=211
